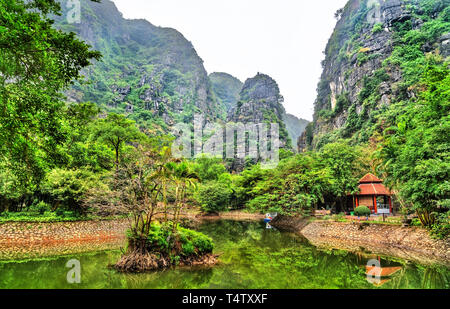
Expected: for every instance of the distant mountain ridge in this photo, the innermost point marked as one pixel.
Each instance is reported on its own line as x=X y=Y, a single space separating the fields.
x=226 y=88
x=260 y=101
x=295 y=127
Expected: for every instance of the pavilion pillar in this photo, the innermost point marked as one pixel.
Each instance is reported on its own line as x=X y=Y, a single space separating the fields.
x=390 y=205
x=375 y=204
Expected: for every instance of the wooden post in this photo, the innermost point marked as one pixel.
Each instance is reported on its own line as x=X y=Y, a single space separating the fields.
x=375 y=203
x=390 y=205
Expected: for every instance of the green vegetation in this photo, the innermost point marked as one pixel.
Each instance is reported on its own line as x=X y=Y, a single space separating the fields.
x=248 y=253
x=405 y=133
x=226 y=88
x=161 y=240
x=152 y=70
x=420 y=139
x=77 y=161
x=115 y=131
x=37 y=63
x=377 y=28
x=302 y=183
x=56 y=158
x=214 y=197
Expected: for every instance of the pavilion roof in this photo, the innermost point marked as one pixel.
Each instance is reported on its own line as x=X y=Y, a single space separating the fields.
x=373 y=189
x=370 y=178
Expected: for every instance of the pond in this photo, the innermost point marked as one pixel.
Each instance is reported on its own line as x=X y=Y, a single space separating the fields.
x=252 y=257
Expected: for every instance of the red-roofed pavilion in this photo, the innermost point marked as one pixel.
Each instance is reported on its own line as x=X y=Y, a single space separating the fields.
x=374 y=195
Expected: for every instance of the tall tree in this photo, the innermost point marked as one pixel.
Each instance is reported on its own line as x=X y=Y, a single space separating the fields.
x=116 y=130
x=37 y=62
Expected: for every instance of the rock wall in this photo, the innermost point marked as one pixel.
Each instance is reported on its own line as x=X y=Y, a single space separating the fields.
x=144 y=68
x=408 y=243
x=364 y=37
x=31 y=240
x=260 y=101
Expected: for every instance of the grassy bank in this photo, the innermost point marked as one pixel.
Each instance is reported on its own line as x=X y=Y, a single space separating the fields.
x=47 y=217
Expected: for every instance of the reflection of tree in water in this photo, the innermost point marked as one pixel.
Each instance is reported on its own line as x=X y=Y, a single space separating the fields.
x=252 y=257
x=183 y=278
x=434 y=278
x=260 y=258
x=227 y=230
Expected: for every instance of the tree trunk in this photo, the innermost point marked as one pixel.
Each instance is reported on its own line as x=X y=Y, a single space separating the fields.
x=117 y=160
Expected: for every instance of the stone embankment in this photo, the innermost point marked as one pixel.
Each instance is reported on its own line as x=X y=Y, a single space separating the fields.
x=28 y=240
x=21 y=240
x=408 y=243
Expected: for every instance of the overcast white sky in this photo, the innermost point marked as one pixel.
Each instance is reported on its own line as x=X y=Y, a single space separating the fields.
x=282 y=38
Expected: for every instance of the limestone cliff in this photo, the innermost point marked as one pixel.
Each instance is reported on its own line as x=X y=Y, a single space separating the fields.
x=260 y=101
x=368 y=64
x=152 y=73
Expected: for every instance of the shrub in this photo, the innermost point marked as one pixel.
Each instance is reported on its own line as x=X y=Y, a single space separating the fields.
x=214 y=197
x=67 y=188
x=441 y=229
x=39 y=207
x=362 y=211
x=184 y=242
x=209 y=168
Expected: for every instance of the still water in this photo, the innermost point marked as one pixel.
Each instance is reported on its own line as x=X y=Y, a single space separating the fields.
x=252 y=257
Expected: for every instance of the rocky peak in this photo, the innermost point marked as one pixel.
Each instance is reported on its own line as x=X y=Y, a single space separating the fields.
x=260 y=101
x=144 y=68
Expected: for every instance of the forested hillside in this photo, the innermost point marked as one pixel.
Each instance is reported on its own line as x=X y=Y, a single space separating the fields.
x=383 y=106
x=154 y=74
x=295 y=127
x=226 y=88
x=375 y=58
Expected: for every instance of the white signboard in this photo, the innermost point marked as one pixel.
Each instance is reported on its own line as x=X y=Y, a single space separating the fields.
x=383 y=211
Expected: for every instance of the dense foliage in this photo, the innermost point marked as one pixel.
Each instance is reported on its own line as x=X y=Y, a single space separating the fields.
x=37 y=62
x=61 y=160
x=362 y=211
x=410 y=129
x=416 y=152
